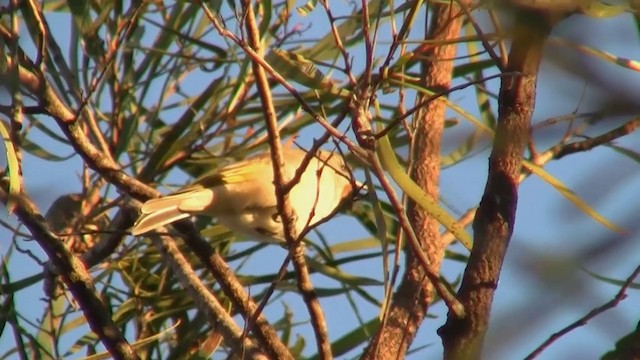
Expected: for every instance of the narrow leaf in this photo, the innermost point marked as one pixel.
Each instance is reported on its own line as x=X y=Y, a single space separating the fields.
x=391 y=165
x=13 y=167
x=571 y=196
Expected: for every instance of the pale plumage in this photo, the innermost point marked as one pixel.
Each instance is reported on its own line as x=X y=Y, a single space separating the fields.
x=242 y=196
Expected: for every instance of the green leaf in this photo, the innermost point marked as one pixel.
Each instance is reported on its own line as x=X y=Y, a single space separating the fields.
x=356 y=245
x=633 y=155
x=612 y=281
x=301 y=70
x=571 y=196
x=599 y=9
x=391 y=165
x=13 y=167
x=14 y=287
x=353 y=339
x=307 y=7
x=36 y=150
x=336 y=274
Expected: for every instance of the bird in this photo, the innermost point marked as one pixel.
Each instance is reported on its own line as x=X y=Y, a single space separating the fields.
x=242 y=196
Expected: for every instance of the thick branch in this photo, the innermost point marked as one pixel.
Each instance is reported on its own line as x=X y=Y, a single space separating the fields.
x=411 y=300
x=495 y=218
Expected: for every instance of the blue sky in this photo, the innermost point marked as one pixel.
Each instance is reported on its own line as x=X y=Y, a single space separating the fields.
x=543 y=285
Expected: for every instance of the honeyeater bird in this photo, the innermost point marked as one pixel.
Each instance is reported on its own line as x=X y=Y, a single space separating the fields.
x=242 y=195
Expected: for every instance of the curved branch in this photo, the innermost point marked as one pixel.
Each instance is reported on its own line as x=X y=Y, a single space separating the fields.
x=75 y=276
x=621 y=295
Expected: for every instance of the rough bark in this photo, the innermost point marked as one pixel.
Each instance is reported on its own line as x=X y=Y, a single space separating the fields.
x=414 y=294
x=495 y=218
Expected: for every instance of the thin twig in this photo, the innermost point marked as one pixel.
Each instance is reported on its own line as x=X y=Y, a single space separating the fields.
x=402 y=34
x=369 y=46
x=339 y=44
x=255 y=57
x=445 y=293
x=495 y=21
x=433 y=97
x=500 y=64
x=621 y=295
x=588 y=144
x=555 y=153
x=288 y=216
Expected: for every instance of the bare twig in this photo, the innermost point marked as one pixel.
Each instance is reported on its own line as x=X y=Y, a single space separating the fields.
x=499 y=62
x=562 y=150
x=495 y=21
x=402 y=34
x=555 y=153
x=369 y=45
x=250 y=52
x=621 y=295
x=339 y=44
x=285 y=209
x=436 y=96
x=441 y=288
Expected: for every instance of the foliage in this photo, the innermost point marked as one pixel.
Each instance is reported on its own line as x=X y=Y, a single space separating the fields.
x=137 y=96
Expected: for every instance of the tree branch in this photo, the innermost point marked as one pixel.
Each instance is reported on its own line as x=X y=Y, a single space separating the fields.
x=217 y=315
x=493 y=225
x=286 y=211
x=563 y=150
x=621 y=295
x=75 y=276
x=232 y=288
x=410 y=302
x=104 y=165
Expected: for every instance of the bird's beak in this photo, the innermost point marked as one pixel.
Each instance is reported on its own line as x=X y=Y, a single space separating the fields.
x=353 y=188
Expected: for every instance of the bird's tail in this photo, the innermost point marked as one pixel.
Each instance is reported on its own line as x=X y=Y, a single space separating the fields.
x=167 y=209
x=159 y=212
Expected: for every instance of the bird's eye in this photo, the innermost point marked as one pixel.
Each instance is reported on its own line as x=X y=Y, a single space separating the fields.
x=275 y=217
